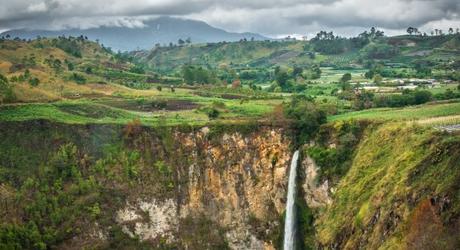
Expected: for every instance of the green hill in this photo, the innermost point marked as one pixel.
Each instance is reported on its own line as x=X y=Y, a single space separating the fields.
x=65 y=68
x=400 y=51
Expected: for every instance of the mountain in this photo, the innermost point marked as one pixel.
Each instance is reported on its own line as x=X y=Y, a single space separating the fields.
x=162 y=30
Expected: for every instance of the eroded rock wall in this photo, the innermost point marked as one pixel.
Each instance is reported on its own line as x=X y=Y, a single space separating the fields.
x=235 y=182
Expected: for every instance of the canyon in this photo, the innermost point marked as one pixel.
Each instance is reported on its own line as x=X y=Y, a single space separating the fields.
x=217 y=187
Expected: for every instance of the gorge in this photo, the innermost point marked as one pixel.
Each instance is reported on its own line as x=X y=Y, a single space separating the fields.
x=218 y=187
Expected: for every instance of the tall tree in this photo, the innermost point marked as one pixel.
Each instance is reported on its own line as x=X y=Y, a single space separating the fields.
x=410 y=30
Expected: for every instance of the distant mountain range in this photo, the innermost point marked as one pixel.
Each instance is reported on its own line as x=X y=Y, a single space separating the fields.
x=163 y=30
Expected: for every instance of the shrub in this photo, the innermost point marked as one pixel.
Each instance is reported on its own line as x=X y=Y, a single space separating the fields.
x=137 y=69
x=6 y=92
x=213 y=113
x=34 y=81
x=78 y=78
x=346 y=77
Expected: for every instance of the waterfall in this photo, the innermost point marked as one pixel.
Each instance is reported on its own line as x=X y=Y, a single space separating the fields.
x=289 y=224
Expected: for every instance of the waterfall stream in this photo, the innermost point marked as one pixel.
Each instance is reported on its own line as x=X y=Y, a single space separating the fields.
x=290 y=222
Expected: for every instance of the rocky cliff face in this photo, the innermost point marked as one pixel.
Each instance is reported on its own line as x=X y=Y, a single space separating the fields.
x=230 y=186
x=183 y=188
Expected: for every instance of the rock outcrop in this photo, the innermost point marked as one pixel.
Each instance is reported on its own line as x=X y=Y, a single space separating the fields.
x=237 y=182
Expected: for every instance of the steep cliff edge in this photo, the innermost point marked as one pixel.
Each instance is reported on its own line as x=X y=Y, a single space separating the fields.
x=130 y=186
x=364 y=185
x=394 y=186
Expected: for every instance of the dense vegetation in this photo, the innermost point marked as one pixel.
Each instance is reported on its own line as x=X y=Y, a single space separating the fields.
x=390 y=162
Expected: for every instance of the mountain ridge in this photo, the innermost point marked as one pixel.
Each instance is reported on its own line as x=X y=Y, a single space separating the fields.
x=162 y=30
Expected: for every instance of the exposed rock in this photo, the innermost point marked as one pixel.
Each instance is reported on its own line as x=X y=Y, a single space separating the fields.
x=316 y=195
x=230 y=179
x=161 y=219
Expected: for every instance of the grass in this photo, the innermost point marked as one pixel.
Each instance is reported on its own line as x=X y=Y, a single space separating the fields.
x=84 y=111
x=334 y=75
x=393 y=162
x=407 y=113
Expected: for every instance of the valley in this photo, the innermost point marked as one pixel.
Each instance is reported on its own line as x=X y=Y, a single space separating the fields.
x=189 y=145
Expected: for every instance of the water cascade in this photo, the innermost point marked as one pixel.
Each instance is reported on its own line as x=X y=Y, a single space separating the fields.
x=290 y=222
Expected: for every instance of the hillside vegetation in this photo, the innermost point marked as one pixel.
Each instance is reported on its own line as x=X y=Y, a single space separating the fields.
x=398 y=52
x=65 y=68
x=400 y=192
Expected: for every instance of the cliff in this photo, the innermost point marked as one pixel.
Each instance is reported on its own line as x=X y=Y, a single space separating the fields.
x=361 y=185
x=394 y=186
x=132 y=186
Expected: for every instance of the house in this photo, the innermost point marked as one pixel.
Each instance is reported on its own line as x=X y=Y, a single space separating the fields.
x=410 y=87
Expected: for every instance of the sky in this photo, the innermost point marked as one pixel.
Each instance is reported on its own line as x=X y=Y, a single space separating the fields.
x=274 y=18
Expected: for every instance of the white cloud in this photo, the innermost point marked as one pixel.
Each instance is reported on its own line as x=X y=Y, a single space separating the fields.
x=270 y=17
x=38 y=7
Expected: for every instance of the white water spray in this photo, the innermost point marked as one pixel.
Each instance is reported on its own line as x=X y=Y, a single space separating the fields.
x=289 y=224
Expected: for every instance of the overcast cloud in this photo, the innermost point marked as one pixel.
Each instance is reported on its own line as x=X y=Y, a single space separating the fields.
x=268 y=17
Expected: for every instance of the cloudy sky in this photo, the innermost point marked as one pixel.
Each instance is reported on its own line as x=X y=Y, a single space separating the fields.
x=269 y=17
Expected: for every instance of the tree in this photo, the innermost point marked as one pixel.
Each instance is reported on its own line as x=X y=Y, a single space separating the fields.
x=451 y=31
x=306 y=117
x=346 y=77
x=188 y=40
x=297 y=71
x=421 y=97
x=180 y=42
x=410 y=30
x=281 y=79
x=363 y=100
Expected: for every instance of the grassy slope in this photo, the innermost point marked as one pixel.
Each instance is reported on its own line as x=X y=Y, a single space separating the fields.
x=381 y=201
x=56 y=83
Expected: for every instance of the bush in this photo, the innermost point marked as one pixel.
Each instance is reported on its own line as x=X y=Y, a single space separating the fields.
x=6 y=92
x=78 y=78
x=34 y=81
x=137 y=69
x=213 y=113
x=407 y=98
x=346 y=77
